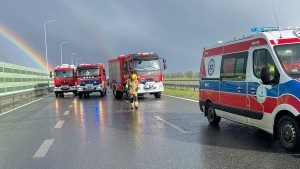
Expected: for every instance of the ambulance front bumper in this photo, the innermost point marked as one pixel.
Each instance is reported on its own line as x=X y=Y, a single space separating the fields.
x=89 y=88
x=65 y=89
x=150 y=87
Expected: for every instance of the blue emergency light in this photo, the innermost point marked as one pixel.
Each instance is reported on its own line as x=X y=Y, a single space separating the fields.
x=264 y=29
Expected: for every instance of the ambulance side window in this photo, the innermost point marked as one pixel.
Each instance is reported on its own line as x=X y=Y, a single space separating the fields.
x=262 y=58
x=234 y=66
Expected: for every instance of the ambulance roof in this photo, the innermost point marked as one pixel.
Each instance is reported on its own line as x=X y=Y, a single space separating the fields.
x=272 y=36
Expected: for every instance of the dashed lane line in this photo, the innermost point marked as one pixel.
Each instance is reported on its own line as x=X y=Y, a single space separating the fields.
x=67 y=113
x=42 y=151
x=59 y=124
x=170 y=124
x=182 y=98
x=22 y=106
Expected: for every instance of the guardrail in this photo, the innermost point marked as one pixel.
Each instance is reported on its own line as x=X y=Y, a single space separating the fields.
x=182 y=84
x=19 y=82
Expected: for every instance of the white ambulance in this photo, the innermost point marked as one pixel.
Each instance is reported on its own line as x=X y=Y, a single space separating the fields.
x=255 y=80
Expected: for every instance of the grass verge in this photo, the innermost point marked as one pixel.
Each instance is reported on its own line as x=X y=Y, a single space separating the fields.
x=190 y=94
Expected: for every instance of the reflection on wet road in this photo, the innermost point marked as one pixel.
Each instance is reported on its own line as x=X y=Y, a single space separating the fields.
x=102 y=132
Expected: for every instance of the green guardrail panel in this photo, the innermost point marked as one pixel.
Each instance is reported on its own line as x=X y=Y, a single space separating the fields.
x=17 y=79
x=2 y=90
x=1 y=69
x=8 y=70
x=9 y=79
x=10 y=89
x=18 y=88
x=1 y=79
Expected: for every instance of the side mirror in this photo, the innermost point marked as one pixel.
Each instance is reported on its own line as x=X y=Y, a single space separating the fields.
x=266 y=75
x=50 y=74
x=165 y=66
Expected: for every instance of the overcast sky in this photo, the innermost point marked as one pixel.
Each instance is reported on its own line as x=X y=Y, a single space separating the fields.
x=101 y=29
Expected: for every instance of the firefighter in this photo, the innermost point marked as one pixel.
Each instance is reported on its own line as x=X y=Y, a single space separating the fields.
x=132 y=86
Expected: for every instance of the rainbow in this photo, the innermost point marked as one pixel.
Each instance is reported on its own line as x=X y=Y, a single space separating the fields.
x=23 y=46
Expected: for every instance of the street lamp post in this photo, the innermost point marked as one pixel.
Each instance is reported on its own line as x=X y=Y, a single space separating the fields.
x=61 y=50
x=46 y=41
x=76 y=60
x=72 y=57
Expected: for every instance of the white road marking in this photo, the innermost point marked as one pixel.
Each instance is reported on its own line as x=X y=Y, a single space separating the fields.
x=170 y=124
x=67 y=113
x=59 y=124
x=21 y=106
x=182 y=98
x=42 y=151
x=70 y=106
x=125 y=100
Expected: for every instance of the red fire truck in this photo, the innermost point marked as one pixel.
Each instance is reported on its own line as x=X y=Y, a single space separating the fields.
x=147 y=66
x=64 y=80
x=91 y=78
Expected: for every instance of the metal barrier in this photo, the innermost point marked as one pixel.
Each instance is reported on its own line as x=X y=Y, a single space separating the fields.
x=15 y=78
x=18 y=83
x=182 y=84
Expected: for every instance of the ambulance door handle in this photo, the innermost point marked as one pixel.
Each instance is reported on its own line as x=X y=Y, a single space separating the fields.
x=252 y=90
x=239 y=89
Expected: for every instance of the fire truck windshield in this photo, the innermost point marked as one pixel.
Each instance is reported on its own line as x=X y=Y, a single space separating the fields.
x=289 y=57
x=63 y=73
x=146 y=65
x=88 y=72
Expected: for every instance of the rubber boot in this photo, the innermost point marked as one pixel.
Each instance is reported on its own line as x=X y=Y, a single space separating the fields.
x=136 y=104
x=132 y=105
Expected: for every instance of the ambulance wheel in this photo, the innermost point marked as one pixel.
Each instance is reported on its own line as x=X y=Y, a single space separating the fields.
x=56 y=94
x=211 y=114
x=288 y=133
x=80 y=95
x=157 y=95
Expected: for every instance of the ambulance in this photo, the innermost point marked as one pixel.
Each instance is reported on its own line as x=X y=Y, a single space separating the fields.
x=255 y=80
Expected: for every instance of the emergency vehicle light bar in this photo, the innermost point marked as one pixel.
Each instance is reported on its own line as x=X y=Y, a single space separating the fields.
x=144 y=54
x=266 y=29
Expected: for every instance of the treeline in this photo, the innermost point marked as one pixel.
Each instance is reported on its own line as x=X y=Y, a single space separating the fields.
x=180 y=75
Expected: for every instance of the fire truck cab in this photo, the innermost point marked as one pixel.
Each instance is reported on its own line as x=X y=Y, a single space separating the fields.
x=91 y=78
x=64 y=80
x=147 y=66
x=255 y=80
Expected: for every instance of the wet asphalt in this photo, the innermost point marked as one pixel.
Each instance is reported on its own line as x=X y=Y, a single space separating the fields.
x=103 y=132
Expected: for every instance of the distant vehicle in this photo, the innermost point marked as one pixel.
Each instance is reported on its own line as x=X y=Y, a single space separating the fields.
x=64 y=80
x=91 y=78
x=255 y=80
x=147 y=66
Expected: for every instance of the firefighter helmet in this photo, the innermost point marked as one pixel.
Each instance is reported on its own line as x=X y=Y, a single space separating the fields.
x=133 y=76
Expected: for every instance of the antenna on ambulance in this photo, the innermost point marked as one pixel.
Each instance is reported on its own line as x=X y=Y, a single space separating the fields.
x=277 y=22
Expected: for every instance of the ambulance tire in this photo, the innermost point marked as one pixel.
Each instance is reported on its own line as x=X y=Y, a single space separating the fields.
x=157 y=95
x=80 y=95
x=211 y=115
x=289 y=133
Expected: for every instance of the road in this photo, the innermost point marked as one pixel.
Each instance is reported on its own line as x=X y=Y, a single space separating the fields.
x=102 y=132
